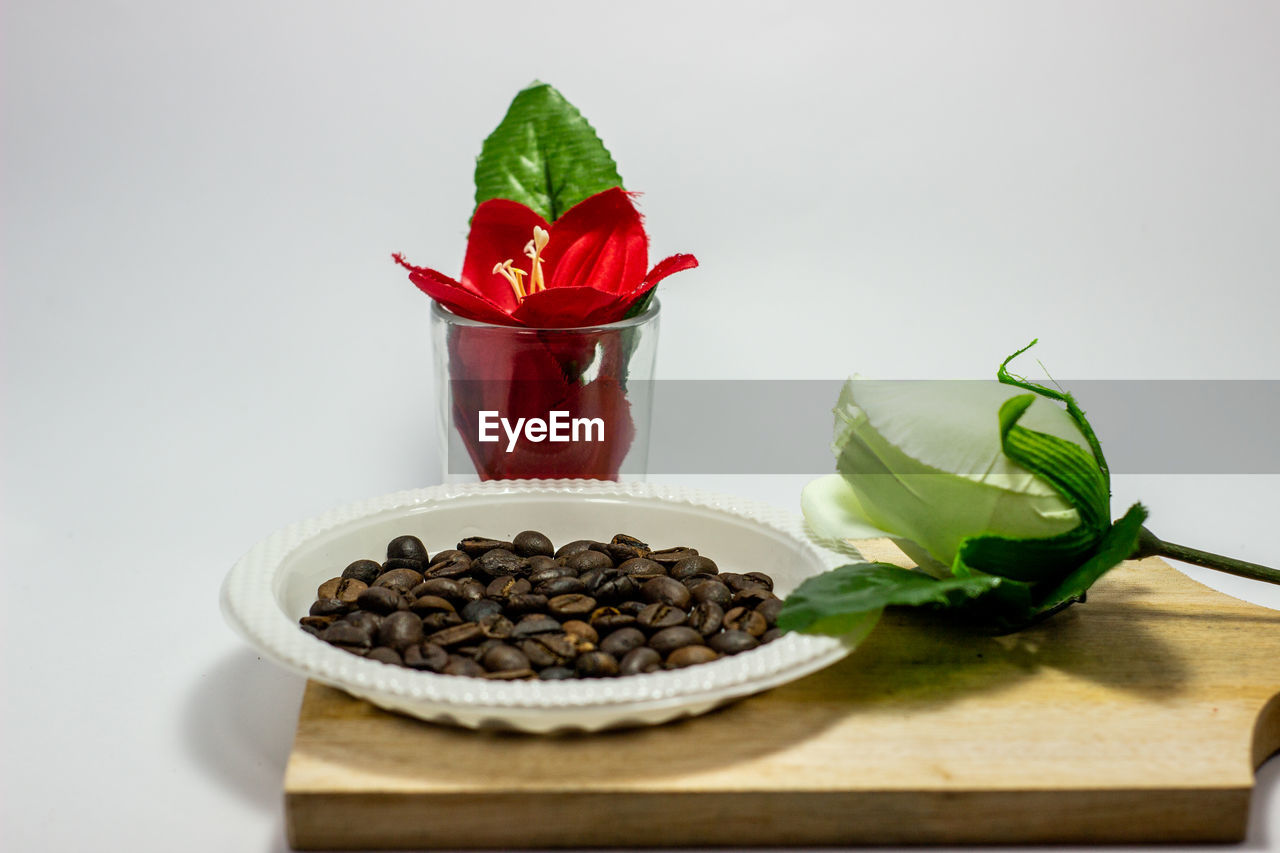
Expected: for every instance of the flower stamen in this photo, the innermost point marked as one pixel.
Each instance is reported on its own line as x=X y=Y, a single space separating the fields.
x=532 y=251
x=514 y=276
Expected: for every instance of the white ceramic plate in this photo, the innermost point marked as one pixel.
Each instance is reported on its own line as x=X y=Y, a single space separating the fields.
x=274 y=584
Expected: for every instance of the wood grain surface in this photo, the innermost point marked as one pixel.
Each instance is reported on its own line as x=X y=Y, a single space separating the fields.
x=1138 y=716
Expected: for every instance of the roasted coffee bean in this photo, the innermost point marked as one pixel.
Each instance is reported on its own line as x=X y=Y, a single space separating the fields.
x=659 y=616
x=364 y=620
x=541 y=562
x=526 y=602
x=468 y=633
x=742 y=619
x=738 y=583
x=443 y=587
x=474 y=546
x=643 y=659
x=606 y=619
x=556 y=673
x=623 y=547
x=440 y=621
x=698 y=577
x=596 y=664
x=665 y=590
x=615 y=588
x=400 y=580
x=560 y=586
x=549 y=649
x=576 y=628
x=631 y=608
x=694 y=565
x=732 y=642
x=534 y=624
x=426 y=656
x=458 y=665
x=571 y=606
x=469 y=590
x=548 y=573
x=753 y=596
x=503 y=588
x=403 y=563
x=475 y=610
x=382 y=654
x=583 y=561
x=445 y=556
x=430 y=604
x=399 y=630
x=410 y=547
x=531 y=543
x=363 y=570
x=317 y=622
x=501 y=657
x=499 y=562
x=495 y=625
x=671 y=556
x=690 y=655
x=760 y=579
x=639 y=568
x=731 y=578
x=311 y=628
x=771 y=635
x=455 y=565
x=706 y=618
x=712 y=591
x=577 y=546
x=344 y=635
x=668 y=640
x=770 y=610
x=330 y=607
x=511 y=675
x=622 y=641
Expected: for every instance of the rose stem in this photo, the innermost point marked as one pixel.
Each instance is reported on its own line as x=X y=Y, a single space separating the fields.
x=1151 y=545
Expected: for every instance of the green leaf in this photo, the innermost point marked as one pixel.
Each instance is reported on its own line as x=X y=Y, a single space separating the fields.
x=836 y=602
x=544 y=155
x=1116 y=546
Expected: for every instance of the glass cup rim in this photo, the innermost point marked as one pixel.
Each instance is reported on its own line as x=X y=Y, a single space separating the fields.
x=640 y=319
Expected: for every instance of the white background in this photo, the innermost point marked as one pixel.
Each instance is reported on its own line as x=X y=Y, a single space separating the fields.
x=204 y=338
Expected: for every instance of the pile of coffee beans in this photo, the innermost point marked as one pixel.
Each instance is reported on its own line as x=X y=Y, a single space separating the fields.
x=525 y=609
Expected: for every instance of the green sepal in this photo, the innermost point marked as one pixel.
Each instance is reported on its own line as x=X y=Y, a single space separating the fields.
x=1073 y=408
x=1066 y=466
x=544 y=155
x=1119 y=543
x=1072 y=472
x=837 y=601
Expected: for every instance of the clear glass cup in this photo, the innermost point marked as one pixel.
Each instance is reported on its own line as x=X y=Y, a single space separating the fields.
x=515 y=402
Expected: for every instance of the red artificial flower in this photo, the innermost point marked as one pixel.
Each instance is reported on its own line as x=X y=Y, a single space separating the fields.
x=587 y=268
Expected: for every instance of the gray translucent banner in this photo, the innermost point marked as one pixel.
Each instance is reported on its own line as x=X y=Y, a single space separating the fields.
x=785 y=426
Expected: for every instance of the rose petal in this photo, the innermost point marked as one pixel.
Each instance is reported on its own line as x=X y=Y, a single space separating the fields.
x=598 y=243
x=499 y=231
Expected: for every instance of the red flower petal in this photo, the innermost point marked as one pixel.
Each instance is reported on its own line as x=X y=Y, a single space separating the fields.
x=499 y=231
x=598 y=243
x=664 y=268
x=454 y=296
x=669 y=266
x=569 y=307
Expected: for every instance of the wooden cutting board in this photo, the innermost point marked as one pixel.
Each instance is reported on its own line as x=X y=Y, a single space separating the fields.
x=1138 y=716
